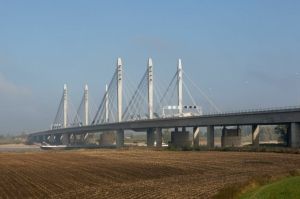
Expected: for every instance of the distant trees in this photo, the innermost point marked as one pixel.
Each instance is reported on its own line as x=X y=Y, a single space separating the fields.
x=12 y=139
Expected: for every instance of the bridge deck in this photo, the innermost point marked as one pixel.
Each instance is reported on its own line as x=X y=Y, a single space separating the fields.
x=263 y=117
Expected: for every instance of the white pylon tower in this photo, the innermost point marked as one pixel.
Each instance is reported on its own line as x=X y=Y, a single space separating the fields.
x=106 y=103
x=179 y=86
x=86 y=105
x=120 y=88
x=150 y=88
x=65 y=113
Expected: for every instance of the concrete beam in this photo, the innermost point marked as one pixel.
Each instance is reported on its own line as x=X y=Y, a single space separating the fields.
x=210 y=136
x=295 y=135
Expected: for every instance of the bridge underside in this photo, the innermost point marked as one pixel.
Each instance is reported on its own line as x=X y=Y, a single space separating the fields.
x=180 y=137
x=290 y=118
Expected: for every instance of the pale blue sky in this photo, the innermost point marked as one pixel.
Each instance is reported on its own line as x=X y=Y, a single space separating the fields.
x=244 y=54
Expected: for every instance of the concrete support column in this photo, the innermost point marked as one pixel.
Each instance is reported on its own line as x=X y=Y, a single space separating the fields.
x=255 y=135
x=41 y=138
x=295 y=135
x=158 y=137
x=44 y=138
x=107 y=139
x=38 y=138
x=81 y=138
x=72 y=139
x=120 y=138
x=86 y=136
x=65 y=139
x=51 y=139
x=210 y=136
x=231 y=137
x=223 y=136
x=150 y=137
x=196 y=135
x=57 y=139
x=180 y=138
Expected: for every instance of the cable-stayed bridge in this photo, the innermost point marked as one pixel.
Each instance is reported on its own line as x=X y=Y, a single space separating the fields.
x=150 y=108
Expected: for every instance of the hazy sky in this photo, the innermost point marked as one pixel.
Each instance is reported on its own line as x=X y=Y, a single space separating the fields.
x=244 y=54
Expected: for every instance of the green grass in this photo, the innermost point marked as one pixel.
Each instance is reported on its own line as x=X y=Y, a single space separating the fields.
x=288 y=188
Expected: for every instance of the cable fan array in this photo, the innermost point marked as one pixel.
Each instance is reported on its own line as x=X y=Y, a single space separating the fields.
x=151 y=99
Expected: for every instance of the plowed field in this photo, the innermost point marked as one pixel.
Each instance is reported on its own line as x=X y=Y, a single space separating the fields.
x=133 y=173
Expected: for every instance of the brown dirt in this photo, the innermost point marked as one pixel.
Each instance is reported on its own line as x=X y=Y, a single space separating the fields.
x=133 y=173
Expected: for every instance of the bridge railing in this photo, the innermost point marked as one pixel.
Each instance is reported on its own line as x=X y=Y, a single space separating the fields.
x=253 y=110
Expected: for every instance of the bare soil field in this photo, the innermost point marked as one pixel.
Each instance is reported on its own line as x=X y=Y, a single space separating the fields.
x=133 y=173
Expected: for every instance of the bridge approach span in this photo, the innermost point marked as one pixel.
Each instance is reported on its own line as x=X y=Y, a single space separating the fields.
x=265 y=117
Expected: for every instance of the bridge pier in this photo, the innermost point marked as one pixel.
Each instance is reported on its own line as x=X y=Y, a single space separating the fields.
x=255 y=135
x=82 y=139
x=72 y=139
x=150 y=137
x=231 y=137
x=51 y=139
x=196 y=137
x=294 y=137
x=65 y=139
x=120 y=138
x=41 y=138
x=44 y=138
x=158 y=137
x=107 y=139
x=180 y=138
x=210 y=136
x=57 y=139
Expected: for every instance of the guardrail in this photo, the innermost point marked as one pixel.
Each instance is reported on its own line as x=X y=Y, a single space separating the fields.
x=257 y=110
